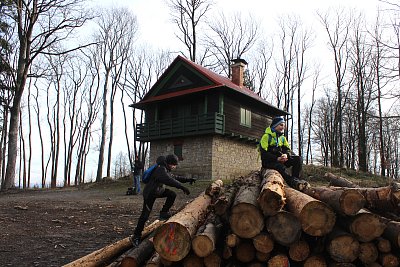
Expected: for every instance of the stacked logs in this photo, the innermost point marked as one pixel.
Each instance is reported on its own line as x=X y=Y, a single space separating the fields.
x=258 y=220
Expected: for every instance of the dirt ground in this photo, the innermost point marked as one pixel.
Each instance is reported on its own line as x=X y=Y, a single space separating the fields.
x=56 y=226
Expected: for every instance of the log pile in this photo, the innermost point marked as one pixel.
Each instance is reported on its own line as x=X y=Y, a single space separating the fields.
x=259 y=221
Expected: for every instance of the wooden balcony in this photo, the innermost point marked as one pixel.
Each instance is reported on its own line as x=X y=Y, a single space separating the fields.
x=210 y=123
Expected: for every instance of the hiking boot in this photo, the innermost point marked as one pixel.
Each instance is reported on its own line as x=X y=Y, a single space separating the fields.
x=164 y=215
x=135 y=240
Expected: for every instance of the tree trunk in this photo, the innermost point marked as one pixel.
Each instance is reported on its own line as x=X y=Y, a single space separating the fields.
x=342 y=246
x=338 y=181
x=154 y=261
x=317 y=218
x=138 y=256
x=342 y=200
x=108 y=253
x=382 y=198
x=225 y=200
x=232 y=240
x=284 y=227
x=204 y=243
x=272 y=196
x=365 y=226
x=173 y=239
x=246 y=219
x=392 y=233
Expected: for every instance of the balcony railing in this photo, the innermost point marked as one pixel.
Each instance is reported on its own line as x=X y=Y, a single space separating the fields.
x=176 y=127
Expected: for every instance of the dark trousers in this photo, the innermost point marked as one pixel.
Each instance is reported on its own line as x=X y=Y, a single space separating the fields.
x=148 y=206
x=294 y=161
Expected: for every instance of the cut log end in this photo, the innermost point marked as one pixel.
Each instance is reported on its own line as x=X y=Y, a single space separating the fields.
x=317 y=218
x=202 y=245
x=344 y=248
x=352 y=201
x=246 y=220
x=172 y=241
x=271 y=202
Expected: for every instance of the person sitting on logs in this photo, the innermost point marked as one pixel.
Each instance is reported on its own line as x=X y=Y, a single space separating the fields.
x=276 y=154
x=155 y=188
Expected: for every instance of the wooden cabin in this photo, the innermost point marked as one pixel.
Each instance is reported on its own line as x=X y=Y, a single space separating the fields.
x=213 y=124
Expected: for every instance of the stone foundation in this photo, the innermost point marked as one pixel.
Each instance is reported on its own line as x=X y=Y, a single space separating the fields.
x=210 y=157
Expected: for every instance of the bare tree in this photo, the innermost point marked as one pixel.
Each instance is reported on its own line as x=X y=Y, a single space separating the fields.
x=41 y=24
x=187 y=15
x=117 y=29
x=230 y=39
x=338 y=31
x=140 y=74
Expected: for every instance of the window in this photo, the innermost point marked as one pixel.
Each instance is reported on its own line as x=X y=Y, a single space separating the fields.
x=245 y=117
x=178 y=150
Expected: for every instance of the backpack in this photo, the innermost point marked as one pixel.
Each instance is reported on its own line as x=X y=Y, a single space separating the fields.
x=147 y=173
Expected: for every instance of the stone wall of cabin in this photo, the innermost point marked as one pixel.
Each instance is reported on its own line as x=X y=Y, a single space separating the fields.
x=210 y=157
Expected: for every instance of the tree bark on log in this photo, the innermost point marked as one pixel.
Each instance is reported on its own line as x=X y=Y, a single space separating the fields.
x=154 y=261
x=368 y=253
x=284 y=227
x=345 y=201
x=173 y=239
x=225 y=200
x=203 y=244
x=138 y=256
x=365 y=226
x=246 y=219
x=316 y=217
x=385 y=198
x=272 y=195
x=107 y=254
x=342 y=246
x=338 y=181
x=392 y=233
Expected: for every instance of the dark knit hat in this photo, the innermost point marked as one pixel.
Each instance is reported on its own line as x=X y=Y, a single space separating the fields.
x=276 y=121
x=172 y=159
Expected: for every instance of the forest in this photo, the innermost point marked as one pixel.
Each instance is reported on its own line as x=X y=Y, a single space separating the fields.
x=69 y=71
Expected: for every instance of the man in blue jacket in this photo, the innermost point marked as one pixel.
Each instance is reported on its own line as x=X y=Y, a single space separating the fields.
x=155 y=188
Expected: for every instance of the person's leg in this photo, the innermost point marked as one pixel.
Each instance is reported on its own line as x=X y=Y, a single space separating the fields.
x=296 y=163
x=144 y=216
x=170 y=195
x=137 y=183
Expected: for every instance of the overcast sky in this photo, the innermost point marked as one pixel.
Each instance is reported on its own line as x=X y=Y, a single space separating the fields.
x=156 y=28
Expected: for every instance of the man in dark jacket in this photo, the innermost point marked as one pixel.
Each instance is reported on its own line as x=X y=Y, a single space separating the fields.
x=155 y=188
x=276 y=154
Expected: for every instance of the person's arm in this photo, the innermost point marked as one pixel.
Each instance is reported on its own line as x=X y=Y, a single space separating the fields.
x=165 y=178
x=183 y=179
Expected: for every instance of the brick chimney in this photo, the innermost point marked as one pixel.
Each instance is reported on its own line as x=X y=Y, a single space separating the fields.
x=238 y=71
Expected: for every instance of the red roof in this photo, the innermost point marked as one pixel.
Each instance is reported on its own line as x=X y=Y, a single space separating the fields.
x=218 y=80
